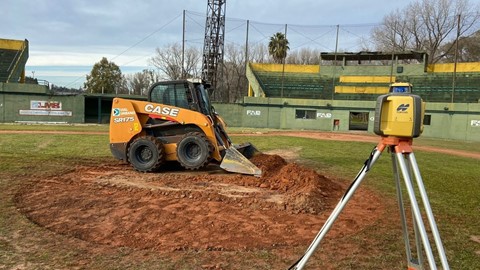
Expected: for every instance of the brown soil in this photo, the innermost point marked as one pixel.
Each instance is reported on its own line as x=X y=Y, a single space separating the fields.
x=114 y=205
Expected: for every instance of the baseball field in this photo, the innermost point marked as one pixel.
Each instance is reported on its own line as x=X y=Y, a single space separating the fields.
x=66 y=203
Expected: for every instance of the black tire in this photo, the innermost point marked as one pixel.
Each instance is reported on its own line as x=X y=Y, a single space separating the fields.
x=194 y=151
x=146 y=154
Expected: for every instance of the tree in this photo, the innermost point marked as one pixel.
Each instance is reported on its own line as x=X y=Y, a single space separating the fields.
x=105 y=77
x=468 y=49
x=138 y=83
x=425 y=25
x=233 y=83
x=400 y=31
x=31 y=80
x=258 y=53
x=278 y=47
x=169 y=61
x=304 y=56
x=59 y=90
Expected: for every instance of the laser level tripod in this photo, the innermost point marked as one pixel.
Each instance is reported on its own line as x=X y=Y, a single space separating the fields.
x=397 y=126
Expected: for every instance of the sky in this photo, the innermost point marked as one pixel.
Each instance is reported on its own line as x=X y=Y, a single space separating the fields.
x=67 y=37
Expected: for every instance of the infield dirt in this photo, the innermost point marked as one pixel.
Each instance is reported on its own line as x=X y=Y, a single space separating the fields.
x=175 y=210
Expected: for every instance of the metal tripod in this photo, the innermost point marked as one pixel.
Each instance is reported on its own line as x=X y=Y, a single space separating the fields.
x=401 y=153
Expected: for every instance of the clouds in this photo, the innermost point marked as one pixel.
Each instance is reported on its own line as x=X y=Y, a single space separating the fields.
x=85 y=23
x=80 y=32
x=310 y=12
x=63 y=34
x=90 y=17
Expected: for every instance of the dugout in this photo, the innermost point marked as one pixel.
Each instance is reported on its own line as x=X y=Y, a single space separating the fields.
x=33 y=103
x=98 y=107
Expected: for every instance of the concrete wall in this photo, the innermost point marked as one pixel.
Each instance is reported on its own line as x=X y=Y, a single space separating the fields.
x=410 y=69
x=453 y=121
x=448 y=121
x=450 y=67
x=38 y=106
x=366 y=69
x=285 y=68
x=11 y=44
x=20 y=88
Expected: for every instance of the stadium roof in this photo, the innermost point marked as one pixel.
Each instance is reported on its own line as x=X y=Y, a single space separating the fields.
x=373 y=56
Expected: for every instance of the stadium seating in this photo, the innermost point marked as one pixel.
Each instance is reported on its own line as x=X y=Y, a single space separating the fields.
x=13 y=57
x=432 y=87
x=439 y=87
x=294 y=85
x=7 y=58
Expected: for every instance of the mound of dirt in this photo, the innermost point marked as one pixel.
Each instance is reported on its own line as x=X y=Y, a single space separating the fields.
x=111 y=204
x=304 y=189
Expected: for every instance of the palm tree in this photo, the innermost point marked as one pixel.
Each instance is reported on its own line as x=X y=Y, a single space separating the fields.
x=278 y=47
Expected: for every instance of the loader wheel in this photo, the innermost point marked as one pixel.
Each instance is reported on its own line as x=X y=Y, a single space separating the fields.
x=194 y=151
x=146 y=154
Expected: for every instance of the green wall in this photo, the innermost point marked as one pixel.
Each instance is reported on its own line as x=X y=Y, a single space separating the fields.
x=232 y=112
x=23 y=88
x=449 y=121
x=17 y=105
x=459 y=121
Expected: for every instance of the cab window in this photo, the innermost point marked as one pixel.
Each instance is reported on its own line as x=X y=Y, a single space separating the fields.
x=171 y=94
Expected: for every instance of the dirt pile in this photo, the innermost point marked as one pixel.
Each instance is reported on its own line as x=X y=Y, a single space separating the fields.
x=113 y=205
x=304 y=189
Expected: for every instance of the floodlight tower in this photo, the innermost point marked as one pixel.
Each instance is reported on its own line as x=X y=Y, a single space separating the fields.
x=214 y=40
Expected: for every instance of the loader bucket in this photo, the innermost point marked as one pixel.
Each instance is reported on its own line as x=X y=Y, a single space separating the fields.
x=247 y=149
x=234 y=161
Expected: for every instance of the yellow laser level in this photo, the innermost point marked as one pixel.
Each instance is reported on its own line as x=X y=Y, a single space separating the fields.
x=399 y=115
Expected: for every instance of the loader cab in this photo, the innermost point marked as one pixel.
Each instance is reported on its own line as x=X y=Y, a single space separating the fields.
x=187 y=94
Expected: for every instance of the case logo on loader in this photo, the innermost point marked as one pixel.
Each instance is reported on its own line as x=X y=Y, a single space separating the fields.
x=163 y=111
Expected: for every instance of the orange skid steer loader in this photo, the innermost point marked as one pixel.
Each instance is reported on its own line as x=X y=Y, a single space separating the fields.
x=177 y=123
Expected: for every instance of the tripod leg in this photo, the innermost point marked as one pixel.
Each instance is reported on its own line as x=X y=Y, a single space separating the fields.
x=338 y=209
x=401 y=206
x=418 y=262
x=428 y=211
x=416 y=211
x=418 y=244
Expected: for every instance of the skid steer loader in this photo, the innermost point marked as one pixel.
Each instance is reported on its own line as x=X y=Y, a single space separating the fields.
x=177 y=123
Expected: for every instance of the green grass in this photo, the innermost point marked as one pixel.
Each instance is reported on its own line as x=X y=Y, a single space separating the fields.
x=59 y=127
x=448 y=144
x=19 y=151
x=452 y=185
x=469 y=146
